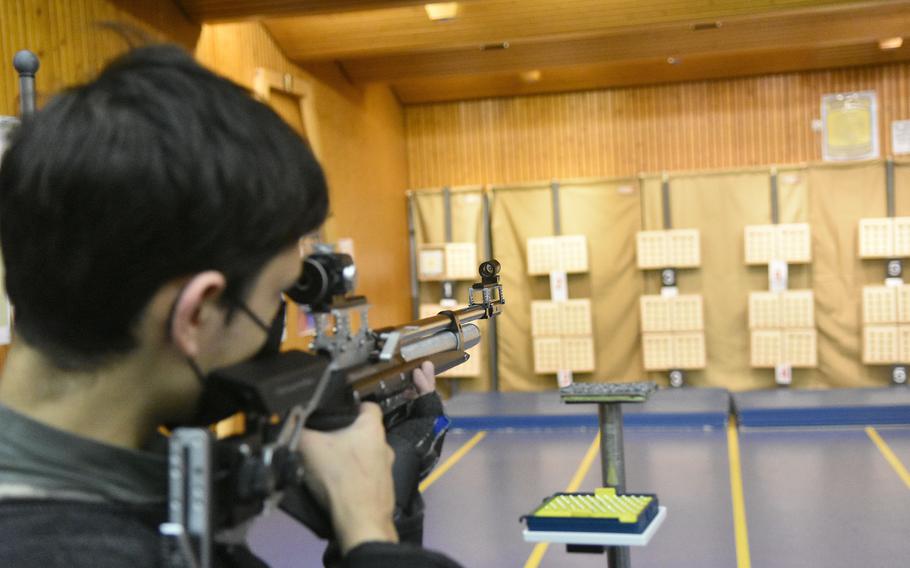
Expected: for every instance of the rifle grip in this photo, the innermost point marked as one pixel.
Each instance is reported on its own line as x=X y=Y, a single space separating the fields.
x=338 y=408
x=327 y=420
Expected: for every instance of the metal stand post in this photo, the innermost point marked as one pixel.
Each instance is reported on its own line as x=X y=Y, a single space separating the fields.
x=609 y=398
x=895 y=266
x=613 y=467
x=559 y=283
x=493 y=341
x=665 y=202
x=412 y=248
x=775 y=205
x=778 y=275
x=26 y=64
x=676 y=377
x=448 y=286
x=557 y=215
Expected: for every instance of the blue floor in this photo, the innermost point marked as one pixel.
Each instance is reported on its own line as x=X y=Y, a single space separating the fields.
x=282 y=542
x=813 y=498
x=822 y=496
x=473 y=512
x=699 y=510
x=899 y=440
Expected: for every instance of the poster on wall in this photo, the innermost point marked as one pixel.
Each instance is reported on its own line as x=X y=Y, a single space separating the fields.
x=900 y=137
x=7 y=124
x=850 y=126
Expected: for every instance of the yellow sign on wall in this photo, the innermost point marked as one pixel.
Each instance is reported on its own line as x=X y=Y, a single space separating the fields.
x=850 y=122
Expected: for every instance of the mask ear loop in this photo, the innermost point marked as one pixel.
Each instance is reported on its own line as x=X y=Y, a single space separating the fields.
x=274 y=335
x=273 y=331
x=241 y=305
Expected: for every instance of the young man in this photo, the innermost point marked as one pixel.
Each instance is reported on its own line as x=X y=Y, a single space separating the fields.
x=149 y=222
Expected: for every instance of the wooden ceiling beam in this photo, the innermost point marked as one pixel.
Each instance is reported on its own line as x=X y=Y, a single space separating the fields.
x=644 y=72
x=835 y=27
x=227 y=10
x=407 y=29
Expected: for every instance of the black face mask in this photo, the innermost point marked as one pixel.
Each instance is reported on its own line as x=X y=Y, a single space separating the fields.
x=274 y=332
x=214 y=402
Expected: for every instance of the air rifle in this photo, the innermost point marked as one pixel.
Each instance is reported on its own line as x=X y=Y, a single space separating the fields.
x=218 y=487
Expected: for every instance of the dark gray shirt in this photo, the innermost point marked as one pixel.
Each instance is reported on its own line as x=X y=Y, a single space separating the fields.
x=62 y=498
x=38 y=461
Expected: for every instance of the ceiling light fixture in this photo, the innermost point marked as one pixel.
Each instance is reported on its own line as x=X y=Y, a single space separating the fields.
x=703 y=26
x=531 y=76
x=890 y=43
x=494 y=46
x=441 y=11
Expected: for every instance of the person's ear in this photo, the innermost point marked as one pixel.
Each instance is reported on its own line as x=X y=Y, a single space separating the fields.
x=193 y=309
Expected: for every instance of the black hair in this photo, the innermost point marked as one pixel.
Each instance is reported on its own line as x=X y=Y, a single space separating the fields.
x=156 y=170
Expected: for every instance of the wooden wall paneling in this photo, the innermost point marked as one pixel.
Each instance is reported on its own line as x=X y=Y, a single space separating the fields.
x=236 y=50
x=358 y=135
x=362 y=149
x=289 y=108
x=242 y=51
x=72 y=46
x=165 y=18
x=286 y=94
x=619 y=132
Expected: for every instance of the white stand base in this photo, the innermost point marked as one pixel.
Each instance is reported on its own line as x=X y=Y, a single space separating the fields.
x=606 y=539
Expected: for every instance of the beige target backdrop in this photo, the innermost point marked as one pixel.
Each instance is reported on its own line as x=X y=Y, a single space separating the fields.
x=832 y=198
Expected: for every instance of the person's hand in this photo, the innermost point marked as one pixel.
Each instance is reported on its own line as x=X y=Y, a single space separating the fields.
x=425 y=378
x=350 y=471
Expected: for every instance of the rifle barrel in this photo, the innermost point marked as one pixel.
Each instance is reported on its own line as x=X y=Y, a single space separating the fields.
x=427 y=327
x=442 y=341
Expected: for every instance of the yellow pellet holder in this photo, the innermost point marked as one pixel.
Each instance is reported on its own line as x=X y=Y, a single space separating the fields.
x=609 y=519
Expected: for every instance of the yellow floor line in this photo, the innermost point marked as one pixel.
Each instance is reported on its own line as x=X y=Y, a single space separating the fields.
x=890 y=457
x=453 y=459
x=541 y=548
x=741 y=532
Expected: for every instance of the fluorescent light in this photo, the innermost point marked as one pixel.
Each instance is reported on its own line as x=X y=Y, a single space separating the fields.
x=891 y=43
x=441 y=11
